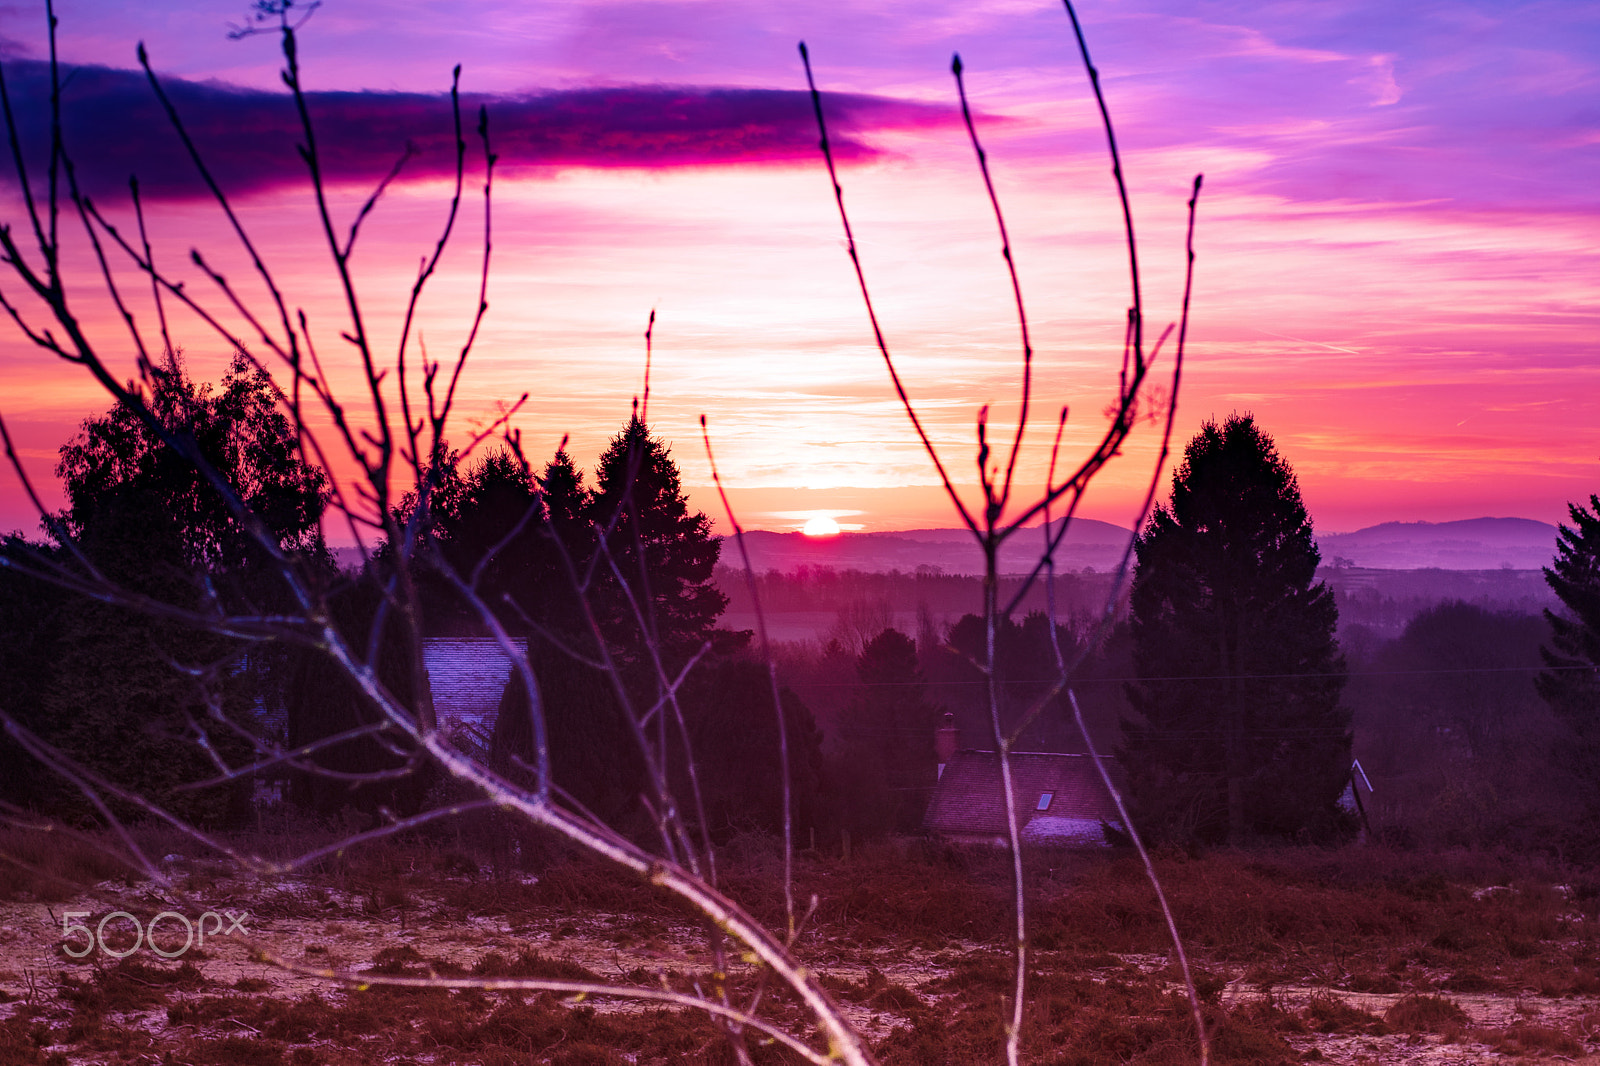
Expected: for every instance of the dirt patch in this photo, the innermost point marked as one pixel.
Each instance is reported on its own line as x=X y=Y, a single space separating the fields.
x=1396 y=968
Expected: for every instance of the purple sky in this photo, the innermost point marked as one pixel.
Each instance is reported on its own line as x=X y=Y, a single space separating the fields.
x=1397 y=248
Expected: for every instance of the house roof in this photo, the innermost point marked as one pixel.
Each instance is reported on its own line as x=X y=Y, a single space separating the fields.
x=468 y=677
x=969 y=799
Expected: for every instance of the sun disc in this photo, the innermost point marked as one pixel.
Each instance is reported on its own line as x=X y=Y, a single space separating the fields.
x=821 y=526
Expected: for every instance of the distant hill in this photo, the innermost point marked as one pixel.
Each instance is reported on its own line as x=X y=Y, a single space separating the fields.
x=1470 y=544
x=1091 y=544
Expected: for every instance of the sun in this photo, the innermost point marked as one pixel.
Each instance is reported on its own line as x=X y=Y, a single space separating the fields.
x=821 y=526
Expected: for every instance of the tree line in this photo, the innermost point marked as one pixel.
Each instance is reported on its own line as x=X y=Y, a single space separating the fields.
x=605 y=578
x=1225 y=691
x=1237 y=704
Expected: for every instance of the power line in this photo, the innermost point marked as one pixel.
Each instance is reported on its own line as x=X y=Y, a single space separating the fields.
x=1199 y=677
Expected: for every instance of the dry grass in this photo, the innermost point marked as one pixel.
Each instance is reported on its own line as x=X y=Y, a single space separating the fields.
x=23 y=1039
x=1534 y=1040
x=1327 y=1013
x=1426 y=1014
x=912 y=939
x=51 y=867
x=389 y=1025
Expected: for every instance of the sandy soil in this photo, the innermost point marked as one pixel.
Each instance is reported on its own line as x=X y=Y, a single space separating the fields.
x=286 y=920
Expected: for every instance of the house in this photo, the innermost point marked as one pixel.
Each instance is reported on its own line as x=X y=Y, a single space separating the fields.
x=1060 y=799
x=467 y=678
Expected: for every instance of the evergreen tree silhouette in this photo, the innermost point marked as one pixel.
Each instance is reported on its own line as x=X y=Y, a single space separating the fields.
x=1570 y=683
x=888 y=735
x=1240 y=731
x=663 y=552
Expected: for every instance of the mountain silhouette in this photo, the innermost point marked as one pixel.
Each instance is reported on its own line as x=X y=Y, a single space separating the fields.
x=1088 y=544
x=1469 y=544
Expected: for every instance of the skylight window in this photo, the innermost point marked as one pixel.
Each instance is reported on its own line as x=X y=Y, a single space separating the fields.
x=1044 y=801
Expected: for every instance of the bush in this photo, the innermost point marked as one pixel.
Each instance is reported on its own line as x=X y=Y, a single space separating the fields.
x=1426 y=1014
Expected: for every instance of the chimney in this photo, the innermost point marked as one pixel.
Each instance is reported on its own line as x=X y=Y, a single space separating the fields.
x=945 y=741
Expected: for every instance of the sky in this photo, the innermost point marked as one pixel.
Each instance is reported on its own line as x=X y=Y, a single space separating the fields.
x=1397 y=246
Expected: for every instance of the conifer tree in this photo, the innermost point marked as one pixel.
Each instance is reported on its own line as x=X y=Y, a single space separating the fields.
x=664 y=553
x=1570 y=683
x=499 y=523
x=1239 y=731
x=638 y=506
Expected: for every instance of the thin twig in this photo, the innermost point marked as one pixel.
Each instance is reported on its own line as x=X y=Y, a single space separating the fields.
x=866 y=297
x=772 y=680
x=1016 y=291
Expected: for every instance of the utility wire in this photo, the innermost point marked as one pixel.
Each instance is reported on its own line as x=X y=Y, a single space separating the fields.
x=1196 y=677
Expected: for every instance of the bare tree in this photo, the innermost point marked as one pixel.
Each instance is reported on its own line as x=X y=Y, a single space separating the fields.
x=393 y=441
x=992 y=526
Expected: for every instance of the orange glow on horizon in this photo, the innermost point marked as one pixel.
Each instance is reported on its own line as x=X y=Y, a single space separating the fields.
x=821 y=526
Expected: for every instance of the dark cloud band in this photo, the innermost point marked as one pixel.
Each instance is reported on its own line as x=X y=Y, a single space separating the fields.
x=114 y=128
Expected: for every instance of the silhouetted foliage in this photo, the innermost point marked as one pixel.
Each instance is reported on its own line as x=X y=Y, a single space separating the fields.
x=664 y=553
x=1239 y=730
x=108 y=694
x=143 y=512
x=1571 y=682
x=594 y=755
x=503 y=528
x=639 y=507
x=321 y=701
x=733 y=728
x=122 y=480
x=31 y=618
x=1451 y=731
x=888 y=765
x=1025 y=666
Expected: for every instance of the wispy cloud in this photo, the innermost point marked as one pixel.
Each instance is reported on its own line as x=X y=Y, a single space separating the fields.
x=115 y=128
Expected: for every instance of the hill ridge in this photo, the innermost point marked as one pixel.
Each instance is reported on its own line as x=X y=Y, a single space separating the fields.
x=1484 y=543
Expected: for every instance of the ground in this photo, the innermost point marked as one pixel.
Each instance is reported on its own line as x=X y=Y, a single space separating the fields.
x=1346 y=957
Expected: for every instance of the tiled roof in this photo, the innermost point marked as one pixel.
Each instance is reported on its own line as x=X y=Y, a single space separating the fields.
x=969 y=799
x=468 y=678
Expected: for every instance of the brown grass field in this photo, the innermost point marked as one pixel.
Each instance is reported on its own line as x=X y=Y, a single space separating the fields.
x=1353 y=956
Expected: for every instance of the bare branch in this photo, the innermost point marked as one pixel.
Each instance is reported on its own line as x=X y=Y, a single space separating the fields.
x=772 y=680
x=866 y=297
x=997 y=504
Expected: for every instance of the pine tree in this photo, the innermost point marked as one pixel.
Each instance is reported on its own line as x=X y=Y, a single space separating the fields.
x=321 y=700
x=594 y=754
x=1570 y=683
x=1240 y=730
x=733 y=727
x=506 y=527
x=638 y=506
x=664 y=553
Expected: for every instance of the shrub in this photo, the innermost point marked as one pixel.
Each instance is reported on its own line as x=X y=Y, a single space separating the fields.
x=1426 y=1014
x=1327 y=1013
